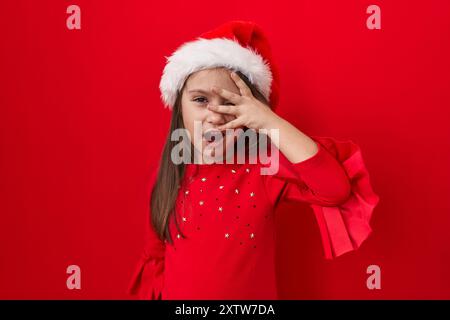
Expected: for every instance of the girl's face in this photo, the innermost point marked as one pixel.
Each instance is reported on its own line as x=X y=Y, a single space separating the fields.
x=196 y=96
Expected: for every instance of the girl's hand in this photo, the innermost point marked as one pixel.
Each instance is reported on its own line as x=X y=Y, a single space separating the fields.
x=249 y=111
x=253 y=114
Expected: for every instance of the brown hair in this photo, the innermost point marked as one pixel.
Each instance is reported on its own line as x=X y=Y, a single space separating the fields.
x=170 y=175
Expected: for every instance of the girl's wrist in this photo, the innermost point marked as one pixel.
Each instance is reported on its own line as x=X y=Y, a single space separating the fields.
x=273 y=121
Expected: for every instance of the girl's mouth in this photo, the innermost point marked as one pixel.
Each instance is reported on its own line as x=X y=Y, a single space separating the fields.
x=213 y=136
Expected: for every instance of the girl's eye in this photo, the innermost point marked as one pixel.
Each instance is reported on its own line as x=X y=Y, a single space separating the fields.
x=200 y=99
x=203 y=100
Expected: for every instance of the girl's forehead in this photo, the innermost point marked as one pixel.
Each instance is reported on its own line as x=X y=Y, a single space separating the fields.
x=204 y=79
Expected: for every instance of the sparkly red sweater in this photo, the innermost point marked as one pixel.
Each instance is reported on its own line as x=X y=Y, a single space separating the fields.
x=226 y=248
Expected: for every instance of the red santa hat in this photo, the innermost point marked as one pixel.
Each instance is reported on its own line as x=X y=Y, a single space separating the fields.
x=237 y=45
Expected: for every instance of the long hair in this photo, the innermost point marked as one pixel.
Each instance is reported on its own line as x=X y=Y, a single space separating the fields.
x=170 y=175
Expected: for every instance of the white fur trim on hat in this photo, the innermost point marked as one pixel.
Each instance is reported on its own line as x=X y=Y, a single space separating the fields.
x=210 y=53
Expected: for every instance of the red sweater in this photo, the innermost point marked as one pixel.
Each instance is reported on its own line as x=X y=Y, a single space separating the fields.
x=226 y=212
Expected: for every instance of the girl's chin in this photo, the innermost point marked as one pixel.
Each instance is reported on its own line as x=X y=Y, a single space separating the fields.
x=216 y=150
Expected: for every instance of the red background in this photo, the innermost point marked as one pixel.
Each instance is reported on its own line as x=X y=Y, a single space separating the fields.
x=82 y=125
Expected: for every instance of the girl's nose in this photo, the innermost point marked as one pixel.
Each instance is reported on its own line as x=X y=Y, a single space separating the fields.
x=215 y=117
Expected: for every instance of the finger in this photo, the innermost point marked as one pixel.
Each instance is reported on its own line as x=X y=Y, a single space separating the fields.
x=233 y=110
x=231 y=125
x=230 y=96
x=243 y=88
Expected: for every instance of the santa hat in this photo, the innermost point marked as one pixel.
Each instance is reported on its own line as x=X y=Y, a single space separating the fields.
x=237 y=45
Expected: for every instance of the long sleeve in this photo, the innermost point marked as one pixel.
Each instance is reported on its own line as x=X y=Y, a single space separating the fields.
x=335 y=182
x=147 y=280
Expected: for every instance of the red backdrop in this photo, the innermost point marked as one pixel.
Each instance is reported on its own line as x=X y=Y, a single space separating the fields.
x=82 y=125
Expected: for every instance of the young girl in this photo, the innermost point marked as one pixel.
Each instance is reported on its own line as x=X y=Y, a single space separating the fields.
x=211 y=226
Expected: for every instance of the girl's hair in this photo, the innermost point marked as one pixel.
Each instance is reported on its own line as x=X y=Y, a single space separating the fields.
x=170 y=175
